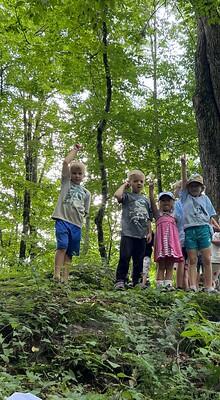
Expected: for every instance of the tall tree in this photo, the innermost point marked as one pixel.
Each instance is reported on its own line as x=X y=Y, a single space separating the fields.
x=102 y=124
x=156 y=128
x=207 y=103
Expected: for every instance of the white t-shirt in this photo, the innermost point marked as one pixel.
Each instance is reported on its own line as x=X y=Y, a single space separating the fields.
x=215 y=249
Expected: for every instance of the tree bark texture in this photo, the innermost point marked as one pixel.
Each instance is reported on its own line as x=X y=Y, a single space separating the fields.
x=156 y=128
x=99 y=145
x=207 y=105
x=28 y=174
x=30 y=141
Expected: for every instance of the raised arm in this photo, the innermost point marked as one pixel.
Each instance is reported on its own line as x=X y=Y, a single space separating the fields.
x=183 y=172
x=152 y=200
x=215 y=224
x=119 y=192
x=70 y=157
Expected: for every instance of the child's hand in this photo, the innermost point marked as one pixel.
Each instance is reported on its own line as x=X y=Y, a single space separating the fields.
x=77 y=147
x=127 y=184
x=149 y=237
x=183 y=159
x=151 y=185
x=216 y=242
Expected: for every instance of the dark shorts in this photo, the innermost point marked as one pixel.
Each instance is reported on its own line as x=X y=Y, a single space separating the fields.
x=68 y=237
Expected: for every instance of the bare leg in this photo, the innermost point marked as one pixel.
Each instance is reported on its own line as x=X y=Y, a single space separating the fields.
x=180 y=275
x=206 y=258
x=169 y=271
x=161 y=266
x=169 y=276
x=186 y=279
x=198 y=279
x=67 y=263
x=59 y=262
x=192 y=259
x=215 y=275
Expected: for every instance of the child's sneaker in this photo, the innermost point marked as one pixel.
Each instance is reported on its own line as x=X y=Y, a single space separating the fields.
x=210 y=290
x=192 y=290
x=145 y=285
x=169 y=288
x=120 y=285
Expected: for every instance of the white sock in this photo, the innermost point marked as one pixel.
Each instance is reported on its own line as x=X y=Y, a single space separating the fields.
x=146 y=265
x=159 y=283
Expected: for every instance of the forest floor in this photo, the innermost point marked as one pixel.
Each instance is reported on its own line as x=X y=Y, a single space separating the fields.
x=86 y=341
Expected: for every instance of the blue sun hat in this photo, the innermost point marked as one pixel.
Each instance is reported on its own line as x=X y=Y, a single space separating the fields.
x=169 y=194
x=22 y=396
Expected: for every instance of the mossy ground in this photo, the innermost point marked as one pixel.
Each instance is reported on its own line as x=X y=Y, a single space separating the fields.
x=86 y=341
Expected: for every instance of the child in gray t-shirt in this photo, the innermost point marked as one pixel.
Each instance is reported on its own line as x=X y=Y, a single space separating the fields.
x=73 y=204
x=136 y=227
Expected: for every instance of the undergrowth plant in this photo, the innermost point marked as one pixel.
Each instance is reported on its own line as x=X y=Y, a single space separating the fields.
x=89 y=342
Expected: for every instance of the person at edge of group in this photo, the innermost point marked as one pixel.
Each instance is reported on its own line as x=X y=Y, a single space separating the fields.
x=167 y=248
x=147 y=263
x=136 y=228
x=215 y=258
x=182 y=277
x=197 y=213
x=72 y=206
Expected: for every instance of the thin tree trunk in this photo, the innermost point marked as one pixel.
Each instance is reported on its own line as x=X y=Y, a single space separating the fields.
x=156 y=130
x=1 y=239
x=207 y=105
x=28 y=174
x=26 y=224
x=31 y=141
x=34 y=178
x=99 y=145
x=1 y=80
x=86 y=239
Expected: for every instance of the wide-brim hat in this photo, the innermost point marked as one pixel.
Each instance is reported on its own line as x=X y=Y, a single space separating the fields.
x=195 y=178
x=169 y=194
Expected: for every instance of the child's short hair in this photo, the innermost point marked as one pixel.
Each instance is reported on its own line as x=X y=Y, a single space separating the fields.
x=135 y=172
x=77 y=165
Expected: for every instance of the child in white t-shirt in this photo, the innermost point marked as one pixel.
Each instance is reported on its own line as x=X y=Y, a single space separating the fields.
x=215 y=259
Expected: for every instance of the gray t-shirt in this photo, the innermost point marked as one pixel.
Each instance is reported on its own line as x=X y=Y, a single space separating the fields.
x=73 y=202
x=136 y=212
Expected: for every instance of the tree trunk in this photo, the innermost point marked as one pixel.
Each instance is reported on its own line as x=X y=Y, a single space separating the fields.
x=99 y=145
x=28 y=173
x=156 y=130
x=34 y=178
x=26 y=224
x=31 y=143
x=207 y=105
x=85 y=248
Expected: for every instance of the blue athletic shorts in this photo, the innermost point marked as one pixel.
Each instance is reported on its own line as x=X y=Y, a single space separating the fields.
x=68 y=237
x=198 y=237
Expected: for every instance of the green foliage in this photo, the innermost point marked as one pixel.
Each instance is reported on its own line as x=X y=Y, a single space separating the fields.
x=82 y=341
x=52 y=68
